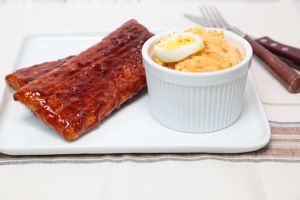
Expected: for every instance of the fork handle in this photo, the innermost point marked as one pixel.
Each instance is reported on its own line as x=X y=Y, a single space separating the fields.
x=287 y=76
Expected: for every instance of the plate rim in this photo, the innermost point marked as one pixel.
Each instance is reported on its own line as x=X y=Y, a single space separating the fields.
x=47 y=151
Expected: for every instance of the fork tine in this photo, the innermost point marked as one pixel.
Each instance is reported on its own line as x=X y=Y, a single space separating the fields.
x=219 y=17
x=212 y=16
x=206 y=16
x=215 y=16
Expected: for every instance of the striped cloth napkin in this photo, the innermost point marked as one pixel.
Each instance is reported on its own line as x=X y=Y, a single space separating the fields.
x=270 y=173
x=267 y=174
x=282 y=109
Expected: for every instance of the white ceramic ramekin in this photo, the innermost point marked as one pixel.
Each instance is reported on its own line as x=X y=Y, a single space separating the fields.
x=197 y=102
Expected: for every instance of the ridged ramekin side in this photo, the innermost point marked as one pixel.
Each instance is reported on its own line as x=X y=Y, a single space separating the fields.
x=195 y=108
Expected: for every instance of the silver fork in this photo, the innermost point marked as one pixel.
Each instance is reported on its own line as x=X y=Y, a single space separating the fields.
x=211 y=14
x=287 y=76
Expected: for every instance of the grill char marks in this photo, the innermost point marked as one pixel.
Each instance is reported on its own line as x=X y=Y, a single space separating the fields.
x=80 y=93
x=26 y=75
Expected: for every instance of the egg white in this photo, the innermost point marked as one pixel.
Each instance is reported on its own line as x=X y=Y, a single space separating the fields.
x=180 y=52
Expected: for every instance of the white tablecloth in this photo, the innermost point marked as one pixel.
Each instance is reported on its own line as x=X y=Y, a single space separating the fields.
x=167 y=176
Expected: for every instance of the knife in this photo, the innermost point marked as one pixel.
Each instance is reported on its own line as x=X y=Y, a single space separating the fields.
x=283 y=50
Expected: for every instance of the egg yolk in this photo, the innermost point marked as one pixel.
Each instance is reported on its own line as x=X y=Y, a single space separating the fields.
x=217 y=53
x=177 y=42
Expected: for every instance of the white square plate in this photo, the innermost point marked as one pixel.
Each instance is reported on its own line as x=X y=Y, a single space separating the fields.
x=131 y=129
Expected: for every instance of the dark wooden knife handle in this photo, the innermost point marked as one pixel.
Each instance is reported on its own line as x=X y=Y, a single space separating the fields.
x=291 y=53
x=286 y=75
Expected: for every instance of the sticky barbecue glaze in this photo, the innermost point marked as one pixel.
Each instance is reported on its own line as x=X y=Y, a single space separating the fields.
x=24 y=76
x=80 y=93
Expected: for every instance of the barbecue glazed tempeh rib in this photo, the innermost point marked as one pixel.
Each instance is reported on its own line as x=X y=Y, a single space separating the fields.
x=80 y=93
x=24 y=76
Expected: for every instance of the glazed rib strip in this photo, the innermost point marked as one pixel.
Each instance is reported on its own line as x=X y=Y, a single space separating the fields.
x=79 y=94
x=26 y=75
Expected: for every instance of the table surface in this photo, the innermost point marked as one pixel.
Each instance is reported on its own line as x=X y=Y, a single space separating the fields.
x=271 y=173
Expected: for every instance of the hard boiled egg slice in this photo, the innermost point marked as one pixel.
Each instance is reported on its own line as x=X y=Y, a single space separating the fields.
x=176 y=46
